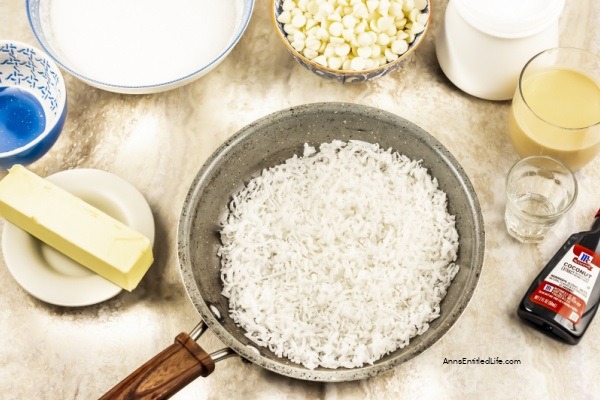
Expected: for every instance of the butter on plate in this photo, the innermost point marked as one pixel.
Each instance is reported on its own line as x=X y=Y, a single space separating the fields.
x=75 y=228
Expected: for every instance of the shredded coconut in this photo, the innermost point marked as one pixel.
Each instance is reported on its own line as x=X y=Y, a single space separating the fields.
x=338 y=257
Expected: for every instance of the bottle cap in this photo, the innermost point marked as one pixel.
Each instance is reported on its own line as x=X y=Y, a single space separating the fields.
x=510 y=18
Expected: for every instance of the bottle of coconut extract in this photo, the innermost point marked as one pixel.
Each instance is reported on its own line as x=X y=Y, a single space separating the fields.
x=564 y=297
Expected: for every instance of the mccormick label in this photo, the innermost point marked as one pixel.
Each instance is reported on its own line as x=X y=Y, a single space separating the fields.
x=567 y=289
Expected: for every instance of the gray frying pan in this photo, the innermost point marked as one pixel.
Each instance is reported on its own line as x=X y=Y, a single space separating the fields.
x=265 y=143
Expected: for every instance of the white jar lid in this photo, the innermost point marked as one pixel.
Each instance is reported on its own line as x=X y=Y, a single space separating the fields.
x=510 y=18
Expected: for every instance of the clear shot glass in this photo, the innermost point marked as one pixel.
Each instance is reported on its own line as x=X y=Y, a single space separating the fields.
x=539 y=191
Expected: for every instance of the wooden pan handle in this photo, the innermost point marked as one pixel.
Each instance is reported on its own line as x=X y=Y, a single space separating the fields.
x=166 y=373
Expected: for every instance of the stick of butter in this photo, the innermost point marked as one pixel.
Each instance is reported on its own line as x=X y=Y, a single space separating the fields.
x=75 y=228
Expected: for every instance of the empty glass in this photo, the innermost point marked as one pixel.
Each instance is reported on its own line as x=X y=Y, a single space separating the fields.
x=539 y=191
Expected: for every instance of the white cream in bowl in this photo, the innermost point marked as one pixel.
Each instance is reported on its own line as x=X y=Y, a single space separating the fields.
x=138 y=43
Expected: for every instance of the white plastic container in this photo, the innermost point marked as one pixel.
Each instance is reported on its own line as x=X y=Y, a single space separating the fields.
x=483 y=45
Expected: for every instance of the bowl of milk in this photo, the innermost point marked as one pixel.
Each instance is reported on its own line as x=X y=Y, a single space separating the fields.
x=138 y=46
x=33 y=103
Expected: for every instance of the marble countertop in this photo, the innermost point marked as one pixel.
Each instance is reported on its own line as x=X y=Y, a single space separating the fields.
x=158 y=143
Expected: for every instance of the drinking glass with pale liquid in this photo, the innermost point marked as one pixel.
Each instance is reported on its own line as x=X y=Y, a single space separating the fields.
x=556 y=107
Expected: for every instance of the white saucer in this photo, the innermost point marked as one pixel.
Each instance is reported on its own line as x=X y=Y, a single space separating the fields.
x=53 y=277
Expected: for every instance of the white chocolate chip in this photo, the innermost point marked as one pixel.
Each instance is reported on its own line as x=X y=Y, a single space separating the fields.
x=400 y=23
x=412 y=15
x=322 y=34
x=349 y=21
x=389 y=55
x=320 y=17
x=370 y=64
x=375 y=51
x=420 y=4
x=312 y=7
x=384 y=23
x=399 y=47
x=335 y=17
x=312 y=32
x=364 y=39
x=329 y=50
x=373 y=26
x=372 y=5
x=342 y=49
x=288 y=5
x=391 y=31
x=310 y=54
x=321 y=60
x=285 y=17
x=313 y=44
x=361 y=26
x=384 y=7
x=401 y=35
x=299 y=21
x=408 y=5
x=364 y=51
x=298 y=45
x=325 y=8
x=417 y=28
x=296 y=36
x=336 y=28
x=358 y=64
x=334 y=62
x=423 y=18
x=396 y=10
x=360 y=10
x=322 y=48
x=348 y=35
x=383 y=39
x=311 y=23
x=289 y=28
x=373 y=37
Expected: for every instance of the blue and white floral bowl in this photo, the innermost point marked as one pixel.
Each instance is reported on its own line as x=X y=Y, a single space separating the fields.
x=30 y=70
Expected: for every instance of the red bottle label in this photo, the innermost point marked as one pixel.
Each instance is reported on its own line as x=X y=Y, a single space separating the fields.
x=567 y=289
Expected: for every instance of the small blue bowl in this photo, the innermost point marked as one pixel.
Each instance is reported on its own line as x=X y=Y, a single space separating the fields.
x=33 y=103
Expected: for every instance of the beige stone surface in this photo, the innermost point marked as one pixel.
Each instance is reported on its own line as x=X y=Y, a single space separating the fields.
x=158 y=143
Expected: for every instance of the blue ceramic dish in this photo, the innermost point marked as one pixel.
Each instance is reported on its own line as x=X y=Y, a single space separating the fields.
x=343 y=75
x=33 y=103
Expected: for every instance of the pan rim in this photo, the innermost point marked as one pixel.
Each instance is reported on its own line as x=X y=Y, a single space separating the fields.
x=296 y=370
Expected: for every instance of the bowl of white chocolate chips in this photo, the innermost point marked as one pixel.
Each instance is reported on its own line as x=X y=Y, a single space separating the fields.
x=351 y=40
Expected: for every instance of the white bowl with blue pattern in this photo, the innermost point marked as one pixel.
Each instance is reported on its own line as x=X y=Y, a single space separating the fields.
x=340 y=75
x=138 y=46
x=33 y=103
